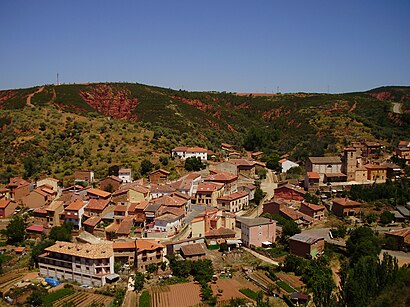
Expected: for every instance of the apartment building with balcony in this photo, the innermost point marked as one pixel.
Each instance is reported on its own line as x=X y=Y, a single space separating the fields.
x=89 y=264
x=148 y=251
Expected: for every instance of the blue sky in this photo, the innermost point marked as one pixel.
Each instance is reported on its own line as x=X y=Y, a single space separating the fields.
x=242 y=46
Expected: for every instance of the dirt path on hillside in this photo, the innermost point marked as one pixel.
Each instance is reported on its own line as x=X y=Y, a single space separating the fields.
x=28 y=101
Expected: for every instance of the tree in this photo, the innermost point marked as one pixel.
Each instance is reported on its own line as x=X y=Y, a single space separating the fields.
x=139 y=280
x=362 y=242
x=193 y=164
x=152 y=267
x=371 y=218
x=36 y=297
x=61 y=233
x=313 y=199
x=164 y=160
x=163 y=265
x=273 y=163
x=259 y=195
x=37 y=250
x=109 y=188
x=294 y=264
x=16 y=230
x=146 y=167
x=386 y=217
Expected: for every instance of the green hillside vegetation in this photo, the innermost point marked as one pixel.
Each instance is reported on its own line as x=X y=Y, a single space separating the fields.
x=64 y=132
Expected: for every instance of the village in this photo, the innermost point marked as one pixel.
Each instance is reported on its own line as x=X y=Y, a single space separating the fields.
x=245 y=218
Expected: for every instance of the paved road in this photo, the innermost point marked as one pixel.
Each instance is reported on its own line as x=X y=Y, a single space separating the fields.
x=397 y=107
x=261 y=257
x=130 y=299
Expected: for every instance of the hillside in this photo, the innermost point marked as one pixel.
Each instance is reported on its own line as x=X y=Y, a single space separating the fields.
x=100 y=124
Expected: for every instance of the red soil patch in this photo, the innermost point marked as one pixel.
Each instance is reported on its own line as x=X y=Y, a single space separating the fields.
x=110 y=101
x=382 y=96
x=196 y=103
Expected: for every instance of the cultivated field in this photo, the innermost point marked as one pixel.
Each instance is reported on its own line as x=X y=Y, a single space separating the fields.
x=181 y=295
x=230 y=288
x=291 y=280
x=9 y=279
x=83 y=299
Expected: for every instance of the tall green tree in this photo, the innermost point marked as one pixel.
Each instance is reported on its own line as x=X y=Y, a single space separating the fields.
x=16 y=230
x=139 y=280
x=363 y=242
x=146 y=167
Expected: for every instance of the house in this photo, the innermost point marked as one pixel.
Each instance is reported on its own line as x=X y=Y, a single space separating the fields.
x=172 y=200
x=96 y=207
x=41 y=196
x=161 y=190
x=131 y=192
x=5 y=193
x=403 y=151
x=214 y=224
x=227 y=147
x=193 y=251
x=90 y=224
x=7 y=208
x=234 y=202
x=74 y=212
x=300 y=218
x=35 y=231
x=54 y=211
x=189 y=152
x=257 y=155
x=345 y=207
x=159 y=176
x=225 y=166
x=85 y=176
x=18 y=188
x=315 y=211
x=290 y=192
x=89 y=264
x=148 y=251
x=244 y=167
x=274 y=205
x=286 y=165
x=151 y=212
x=170 y=223
x=376 y=172
x=228 y=179
x=324 y=165
x=306 y=245
x=125 y=228
x=311 y=182
x=393 y=170
x=250 y=188
x=54 y=183
x=187 y=184
x=110 y=184
x=124 y=252
x=125 y=174
x=98 y=194
x=254 y=231
x=371 y=149
x=208 y=193
x=400 y=238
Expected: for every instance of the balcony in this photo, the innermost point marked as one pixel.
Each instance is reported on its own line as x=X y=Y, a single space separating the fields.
x=55 y=262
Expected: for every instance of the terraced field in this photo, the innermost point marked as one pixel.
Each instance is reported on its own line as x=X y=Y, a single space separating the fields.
x=83 y=299
x=8 y=279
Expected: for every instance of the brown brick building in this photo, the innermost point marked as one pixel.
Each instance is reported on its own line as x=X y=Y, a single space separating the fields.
x=306 y=246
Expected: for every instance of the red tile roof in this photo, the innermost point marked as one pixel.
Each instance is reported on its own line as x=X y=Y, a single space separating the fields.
x=234 y=196
x=313 y=175
x=221 y=176
x=148 y=245
x=124 y=245
x=35 y=228
x=4 y=203
x=92 y=221
x=209 y=187
x=97 y=204
x=190 y=149
x=161 y=171
x=98 y=192
x=242 y=162
x=75 y=205
x=346 y=202
x=195 y=249
x=313 y=206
